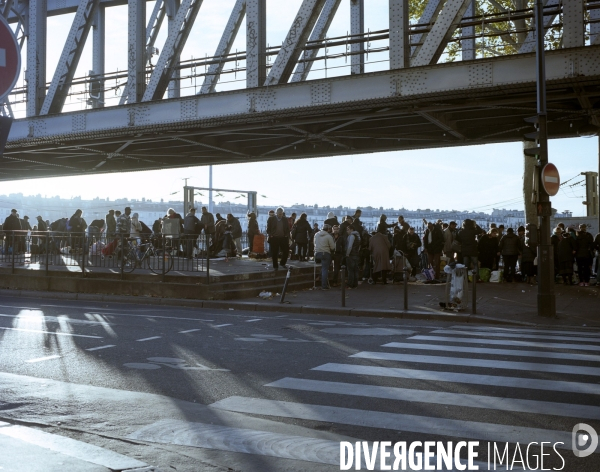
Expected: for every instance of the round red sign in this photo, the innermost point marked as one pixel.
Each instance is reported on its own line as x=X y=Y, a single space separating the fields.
x=10 y=58
x=550 y=179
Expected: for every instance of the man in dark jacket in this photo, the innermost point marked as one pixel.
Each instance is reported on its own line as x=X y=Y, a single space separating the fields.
x=191 y=231
x=467 y=237
x=278 y=231
x=412 y=243
x=208 y=220
x=433 y=242
x=11 y=224
x=236 y=233
x=338 y=254
x=77 y=227
x=510 y=248
x=585 y=255
x=111 y=225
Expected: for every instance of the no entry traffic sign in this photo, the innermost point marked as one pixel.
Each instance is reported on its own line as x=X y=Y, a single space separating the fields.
x=10 y=58
x=550 y=179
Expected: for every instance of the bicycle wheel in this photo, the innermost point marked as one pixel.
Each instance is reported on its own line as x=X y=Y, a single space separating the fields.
x=127 y=262
x=158 y=260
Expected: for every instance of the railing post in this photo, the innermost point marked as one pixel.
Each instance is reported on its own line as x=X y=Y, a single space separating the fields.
x=14 y=249
x=343 y=280
x=47 y=252
x=122 y=256
x=84 y=249
x=207 y=260
x=285 y=284
x=405 y=280
x=164 y=253
x=475 y=274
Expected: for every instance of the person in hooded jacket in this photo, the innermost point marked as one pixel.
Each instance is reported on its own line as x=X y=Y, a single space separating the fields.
x=324 y=249
x=510 y=248
x=302 y=233
x=331 y=220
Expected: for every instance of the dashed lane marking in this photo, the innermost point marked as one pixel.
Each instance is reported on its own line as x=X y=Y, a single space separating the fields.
x=101 y=347
x=189 y=331
x=148 y=339
x=251 y=321
x=52 y=332
x=41 y=359
x=222 y=325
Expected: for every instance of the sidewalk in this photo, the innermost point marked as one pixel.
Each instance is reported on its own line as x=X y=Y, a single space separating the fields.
x=515 y=303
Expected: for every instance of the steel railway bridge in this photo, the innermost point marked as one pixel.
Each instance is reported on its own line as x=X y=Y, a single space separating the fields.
x=462 y=73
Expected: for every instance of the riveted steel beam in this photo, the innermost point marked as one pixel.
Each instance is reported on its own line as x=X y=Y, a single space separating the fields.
x=573 y=26
x=174 y=83
x=430 y=14
x=224 y=48
x=318 y=34
x=294 y=42
x=529 y=43
x=468 y=32
x=399 y=34
x=443 y=29
x=136 y=56
x=36 y=56
x=357 y=27
x=595 y=25
x=439 y=120
x=169 y=56
x=69 y=59
x=98 y=59
x=256 y=43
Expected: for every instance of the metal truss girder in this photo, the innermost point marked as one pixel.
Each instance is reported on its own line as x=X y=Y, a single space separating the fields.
x=318 y=34
x=62 y=7
x=224 y=48
x=36 y=56
x=468 y=32
x=357 y=27
x=136 y=54
x=69 y=59
x=294 y=42
x=441 y=122
x=432 y=10
x=152 y=30
x=529 y=43
x=573 y=26
x=174 y=83
x=98 y=59
x=595 y=25
x=256 y=43
x=455 y=79
x=182 y=25
x=443 y=29
x=399 y=34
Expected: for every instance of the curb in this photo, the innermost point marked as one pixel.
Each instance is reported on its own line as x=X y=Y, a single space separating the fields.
x=279 y=308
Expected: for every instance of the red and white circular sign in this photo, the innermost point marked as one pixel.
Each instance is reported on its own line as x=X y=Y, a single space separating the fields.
x=550 y=179
x=10 y=58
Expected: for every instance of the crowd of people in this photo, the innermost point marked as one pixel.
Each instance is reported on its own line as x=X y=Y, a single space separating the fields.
x=371 y=254
x=366 y=254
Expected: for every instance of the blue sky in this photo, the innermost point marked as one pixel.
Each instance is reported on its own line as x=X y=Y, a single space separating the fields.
x=473 y=177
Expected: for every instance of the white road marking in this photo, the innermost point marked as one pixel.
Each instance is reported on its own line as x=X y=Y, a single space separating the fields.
x=53 y=319
x=52 y=332
x=70 y=447
x=247 y=441
x=527 y=330
x=492 y=351
x=41 y=359
x=222 y=325
x=477 y=379
x=368 y=331
x=189 y=331
x=148 y=339
x=517 y=335
x=441 y=398
x=394 y=421
x=100 y=347
x=487 y=363
x=251 y=321
x=259 y=340
x=507 y=342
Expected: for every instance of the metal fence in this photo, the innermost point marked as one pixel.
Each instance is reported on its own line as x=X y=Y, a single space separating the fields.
x=88 y=251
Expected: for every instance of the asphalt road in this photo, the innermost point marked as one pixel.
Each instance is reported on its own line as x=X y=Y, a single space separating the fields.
x=215 y=390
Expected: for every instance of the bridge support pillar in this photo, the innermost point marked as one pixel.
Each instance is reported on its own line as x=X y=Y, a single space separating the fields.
x=399 y=35
x=36 y=56
x=357 y=27
x=256 y=43
x=136 y=79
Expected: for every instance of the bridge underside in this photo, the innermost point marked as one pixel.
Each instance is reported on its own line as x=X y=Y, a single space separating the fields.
x=340 y=116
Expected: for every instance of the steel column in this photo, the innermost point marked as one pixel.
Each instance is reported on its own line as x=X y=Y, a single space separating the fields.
x=530 y=42
x=136 y=77
x=443 y=29
x=318 y=34
x=174 y=84
x=468 y=32
x=98 y=59
x=429 y=16
x=295 y=41
x=357 y=28
x=573 y=26
x=224 y=47
x=36 y=56
x=169 y=56
x=399 y=34
x=256 y=43
x=69 y=59
x=595 y=27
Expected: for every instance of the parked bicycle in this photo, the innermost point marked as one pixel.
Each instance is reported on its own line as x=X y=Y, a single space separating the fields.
x=159 y=261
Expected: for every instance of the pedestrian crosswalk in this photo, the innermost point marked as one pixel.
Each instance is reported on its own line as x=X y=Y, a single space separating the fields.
x=449 y=384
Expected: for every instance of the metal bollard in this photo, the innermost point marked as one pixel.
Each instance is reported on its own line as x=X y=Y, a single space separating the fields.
x=343 y=279
x=405 y=282
x=14 y=249
x=47 y=252
x=207 y=261
x=164 y=253
x=285 y=284
x=122 y=256
x=84 y=251
x=475 y=274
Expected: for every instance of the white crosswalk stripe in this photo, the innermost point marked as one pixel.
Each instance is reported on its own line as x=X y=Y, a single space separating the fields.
x=562 y=366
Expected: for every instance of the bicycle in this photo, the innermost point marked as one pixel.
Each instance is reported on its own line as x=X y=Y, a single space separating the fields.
x=157 y=260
